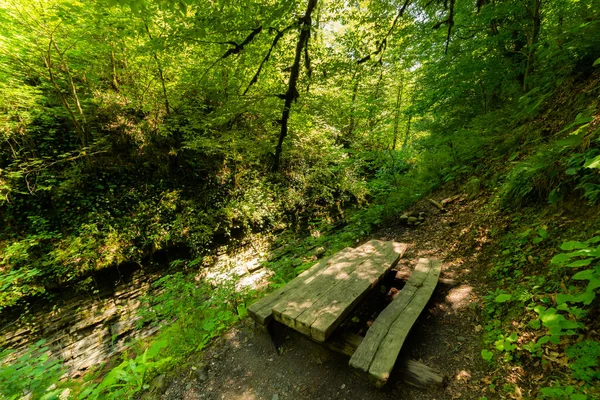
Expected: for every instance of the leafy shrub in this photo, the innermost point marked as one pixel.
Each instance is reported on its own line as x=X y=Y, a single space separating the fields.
x=191 y=312
x=129 y=377
x=584 y=360
x=532 y=180
x=555 y=168
x=34 y=373
x=577 y=255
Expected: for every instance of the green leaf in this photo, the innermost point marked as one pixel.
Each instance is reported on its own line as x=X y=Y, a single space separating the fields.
x=560 y=259
x=593 y=163
x=208 y=325
x=543 y=340
x=242 y=311
x=587 y=297
x=563 y=298
x=593 y=240
x=588 y=274
x=503 y=298
x=597 y=62
x=487 y=355
x=573 y=245
x=535 y=324
x=580 y=396
x=580 y=263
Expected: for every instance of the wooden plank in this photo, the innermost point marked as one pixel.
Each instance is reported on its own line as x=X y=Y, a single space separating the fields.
x=390 y=347
x=411 y=371
x=364 y=356
x=303 y=296
x=304 y=318
x=343 y=342
x=260 y=311
x=420 y=375
x=330 y=310
x=378 y=352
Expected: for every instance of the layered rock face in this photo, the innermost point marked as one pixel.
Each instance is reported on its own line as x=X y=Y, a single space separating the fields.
x=82 y=329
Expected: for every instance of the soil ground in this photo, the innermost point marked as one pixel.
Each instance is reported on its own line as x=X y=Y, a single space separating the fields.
x=243 y=364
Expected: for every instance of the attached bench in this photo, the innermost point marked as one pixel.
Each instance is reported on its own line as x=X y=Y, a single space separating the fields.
x=379 y=350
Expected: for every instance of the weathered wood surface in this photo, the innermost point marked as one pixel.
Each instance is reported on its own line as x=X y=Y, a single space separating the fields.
x=419 y=375
x=302 y=297
x=331 y=309
x=319 y=304
x=379 y=350
x=410 y=371
x=343 y=342
x=261 y=310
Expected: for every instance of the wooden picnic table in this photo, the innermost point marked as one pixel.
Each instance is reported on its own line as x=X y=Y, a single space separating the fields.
x=317 y=301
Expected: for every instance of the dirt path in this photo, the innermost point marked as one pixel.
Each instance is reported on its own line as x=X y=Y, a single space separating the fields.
x=244 y=365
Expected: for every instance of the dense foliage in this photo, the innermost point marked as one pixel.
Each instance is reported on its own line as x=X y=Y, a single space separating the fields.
x=129 y=126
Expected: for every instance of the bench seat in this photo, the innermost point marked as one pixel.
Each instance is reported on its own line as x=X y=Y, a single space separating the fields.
x=379 y=350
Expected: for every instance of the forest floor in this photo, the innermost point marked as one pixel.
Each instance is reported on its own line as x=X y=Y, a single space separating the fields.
x=243 y=364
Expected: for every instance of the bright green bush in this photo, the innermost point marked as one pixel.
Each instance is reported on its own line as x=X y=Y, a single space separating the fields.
x=33 y=373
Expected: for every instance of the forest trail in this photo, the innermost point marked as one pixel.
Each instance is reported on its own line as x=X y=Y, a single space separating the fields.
x=243 y=364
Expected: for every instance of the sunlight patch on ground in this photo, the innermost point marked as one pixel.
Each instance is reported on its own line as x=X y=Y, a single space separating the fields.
x=460 y=297
x=233 y=338
x=463 y=376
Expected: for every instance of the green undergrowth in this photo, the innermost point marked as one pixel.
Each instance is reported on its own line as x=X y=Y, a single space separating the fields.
x=542 y=317
x=34 y=371
x=189 y=312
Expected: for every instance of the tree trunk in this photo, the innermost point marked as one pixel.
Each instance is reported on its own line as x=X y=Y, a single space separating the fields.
x=80 y=126
x=397 y=114
x=160 y=73
x=484 y=96
x=115 y=80
x=292 y=91
x=407 y=135
x=352 y=123
x=535 y=32
x=372 y=120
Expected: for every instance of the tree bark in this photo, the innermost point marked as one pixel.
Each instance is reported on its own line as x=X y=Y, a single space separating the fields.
x=292 y=91
x=352 y=122
x=407 y=135
x=372 y=121
x=397 y=114
x=160 y=73
x=535 y=32
x=115 y=80
x=80 y=126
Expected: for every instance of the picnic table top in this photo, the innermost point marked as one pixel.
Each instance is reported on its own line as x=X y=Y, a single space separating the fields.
x=319 y=299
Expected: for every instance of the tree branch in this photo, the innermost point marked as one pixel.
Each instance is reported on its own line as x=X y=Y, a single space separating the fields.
x=292 y=92
x=267 y=56
x=383 y=44
x=236 y=49
x=448 y=21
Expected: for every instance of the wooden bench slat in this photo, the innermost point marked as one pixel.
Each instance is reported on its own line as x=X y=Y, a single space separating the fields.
x=261 y=311
x=329 y=311
x=303 y=296
x=411 y=371
x=379 y=350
